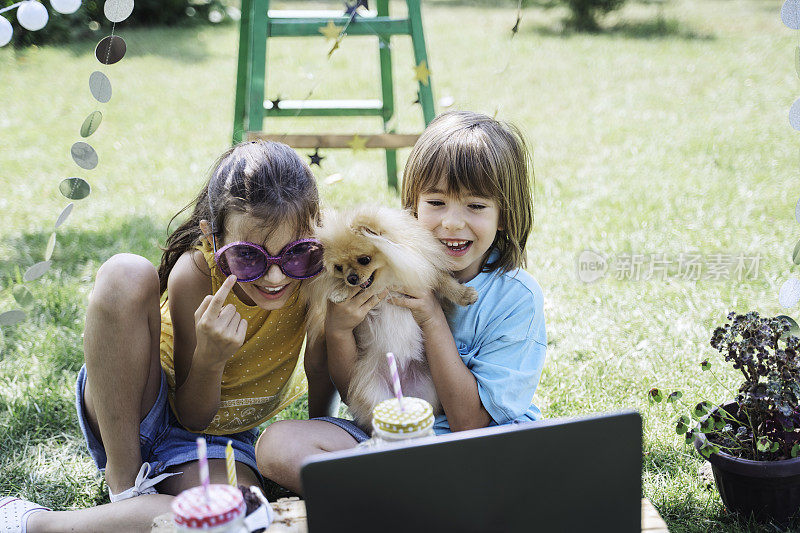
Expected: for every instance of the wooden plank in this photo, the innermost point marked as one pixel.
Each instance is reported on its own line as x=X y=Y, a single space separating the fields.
x=290 y=516
x=651 y=520
x=380 y=140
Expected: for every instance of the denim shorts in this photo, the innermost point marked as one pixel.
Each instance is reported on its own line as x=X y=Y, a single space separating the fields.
x=163 y=441
x=347 y=425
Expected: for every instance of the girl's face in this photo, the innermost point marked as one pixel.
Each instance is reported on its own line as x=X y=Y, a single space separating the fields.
x=272 y=290
x=466 y=225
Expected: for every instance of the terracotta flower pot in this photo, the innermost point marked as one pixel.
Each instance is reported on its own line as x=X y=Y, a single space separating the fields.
x=769 y=490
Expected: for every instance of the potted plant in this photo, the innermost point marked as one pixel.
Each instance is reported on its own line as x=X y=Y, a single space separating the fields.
x=752 y=441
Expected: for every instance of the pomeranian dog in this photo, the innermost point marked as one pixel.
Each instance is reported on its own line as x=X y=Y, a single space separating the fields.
x=374 y=249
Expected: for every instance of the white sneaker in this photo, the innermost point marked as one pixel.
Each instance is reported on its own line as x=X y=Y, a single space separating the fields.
x=14 y=514
x=142 y=485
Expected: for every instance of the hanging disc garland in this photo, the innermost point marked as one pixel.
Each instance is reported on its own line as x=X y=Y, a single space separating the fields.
x=33 y=15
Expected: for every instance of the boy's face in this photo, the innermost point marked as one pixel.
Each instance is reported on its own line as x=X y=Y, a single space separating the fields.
x=465 y=224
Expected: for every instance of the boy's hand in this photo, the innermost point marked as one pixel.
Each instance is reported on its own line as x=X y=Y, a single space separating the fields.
x=220 y=330
x=343 y=317
x=423 y=306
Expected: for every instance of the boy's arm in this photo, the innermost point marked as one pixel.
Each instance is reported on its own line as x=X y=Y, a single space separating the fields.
x=322 y=397
x=455 y=384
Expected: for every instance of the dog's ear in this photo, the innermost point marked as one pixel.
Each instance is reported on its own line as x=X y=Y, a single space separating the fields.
x=366 y=230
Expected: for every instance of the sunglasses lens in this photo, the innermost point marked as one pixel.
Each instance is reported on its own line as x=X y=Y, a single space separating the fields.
x=244 y=262
x=303 y=260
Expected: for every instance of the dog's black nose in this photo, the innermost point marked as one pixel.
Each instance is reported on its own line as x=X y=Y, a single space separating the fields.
x=352 y=279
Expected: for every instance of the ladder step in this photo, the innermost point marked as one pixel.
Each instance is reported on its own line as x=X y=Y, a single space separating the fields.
x=325 y=14
x=323 y=108
x=304 y=27
x=337 y=140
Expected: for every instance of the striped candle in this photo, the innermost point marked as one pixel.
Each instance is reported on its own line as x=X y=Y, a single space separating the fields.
x=202 y=457
x=398 y=391
x=230 y=464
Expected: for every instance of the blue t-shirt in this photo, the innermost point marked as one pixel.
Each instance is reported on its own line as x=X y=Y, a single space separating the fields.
x=502 y=340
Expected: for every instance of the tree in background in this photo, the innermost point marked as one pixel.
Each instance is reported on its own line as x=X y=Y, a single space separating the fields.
x=585 y=12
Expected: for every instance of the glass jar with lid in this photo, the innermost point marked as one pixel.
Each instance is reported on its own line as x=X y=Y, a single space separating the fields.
x=396 y=420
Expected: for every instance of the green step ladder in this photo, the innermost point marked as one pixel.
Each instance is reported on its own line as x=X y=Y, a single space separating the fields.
x=259 y=23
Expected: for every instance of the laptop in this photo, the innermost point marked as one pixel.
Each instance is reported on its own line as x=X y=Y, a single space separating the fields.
x=568 y=474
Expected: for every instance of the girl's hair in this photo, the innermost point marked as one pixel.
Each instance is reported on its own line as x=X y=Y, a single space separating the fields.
x=264 y=179
x=477 y=155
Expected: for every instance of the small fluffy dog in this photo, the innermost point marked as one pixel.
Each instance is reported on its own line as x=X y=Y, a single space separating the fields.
x=373 y=249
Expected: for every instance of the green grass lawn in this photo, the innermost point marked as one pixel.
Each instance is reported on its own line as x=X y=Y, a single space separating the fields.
x=658 y=136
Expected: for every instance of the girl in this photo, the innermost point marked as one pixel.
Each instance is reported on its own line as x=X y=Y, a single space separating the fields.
x=217 y=357
x=467 y=180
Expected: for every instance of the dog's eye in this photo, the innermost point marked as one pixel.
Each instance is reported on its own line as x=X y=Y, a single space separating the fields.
x=338 y=268
x=364 y=260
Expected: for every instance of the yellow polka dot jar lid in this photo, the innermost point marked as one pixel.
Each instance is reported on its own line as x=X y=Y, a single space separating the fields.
x=416 y=415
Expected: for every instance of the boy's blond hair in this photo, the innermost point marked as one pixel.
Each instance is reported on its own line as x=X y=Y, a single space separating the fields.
x=476 y=154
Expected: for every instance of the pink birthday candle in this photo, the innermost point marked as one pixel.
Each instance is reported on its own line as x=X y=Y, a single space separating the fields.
x=202 y=457
x=398 y=391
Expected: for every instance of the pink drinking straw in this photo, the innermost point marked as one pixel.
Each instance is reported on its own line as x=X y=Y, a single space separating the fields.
x=202 y=457
x=398 y=391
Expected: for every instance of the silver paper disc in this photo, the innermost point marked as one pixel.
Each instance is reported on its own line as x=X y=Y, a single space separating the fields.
x=64 y=214
x=75 y=188
x=100 y=86
x=794 y=115
x=91 y=123
x=84 y=155
x=9 y=318
x=789 y=294
x=23 y=296
x=51 y=245
x=110 y=49
x=118 y=10
x=36 y=271
x=790 y=14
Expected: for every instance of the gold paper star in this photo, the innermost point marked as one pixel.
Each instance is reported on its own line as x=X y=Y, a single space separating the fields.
x=331 y=31
x=357 y=143
x=421 y=72
x=333 y=48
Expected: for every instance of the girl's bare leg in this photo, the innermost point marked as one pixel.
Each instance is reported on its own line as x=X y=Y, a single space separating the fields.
x=136 y=514
x=121 y=349
x=284 y=445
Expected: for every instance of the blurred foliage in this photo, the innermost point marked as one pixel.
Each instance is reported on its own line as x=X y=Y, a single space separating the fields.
x=88 y=20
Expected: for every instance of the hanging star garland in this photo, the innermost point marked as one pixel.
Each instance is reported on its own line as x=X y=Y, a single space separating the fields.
x=422 y=73
x=331 y=31
x=315 y=158
x=357 y=143
x=515 y=29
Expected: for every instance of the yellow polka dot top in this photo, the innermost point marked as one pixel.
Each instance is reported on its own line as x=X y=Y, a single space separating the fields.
x=265 y=375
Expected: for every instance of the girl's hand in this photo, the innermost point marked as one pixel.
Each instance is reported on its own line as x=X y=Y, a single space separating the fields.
x=343 y=317
x=423 y=306
x=220 y=330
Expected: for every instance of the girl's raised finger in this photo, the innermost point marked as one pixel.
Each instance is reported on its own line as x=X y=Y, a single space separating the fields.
x=221 y=294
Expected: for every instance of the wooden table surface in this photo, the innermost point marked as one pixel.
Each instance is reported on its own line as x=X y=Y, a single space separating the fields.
x=290 y=517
